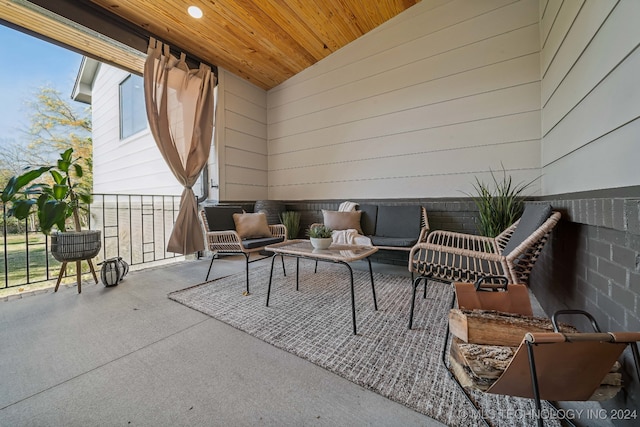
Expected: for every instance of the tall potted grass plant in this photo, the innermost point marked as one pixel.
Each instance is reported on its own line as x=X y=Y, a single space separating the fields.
x=499 y=205
x=291 y=220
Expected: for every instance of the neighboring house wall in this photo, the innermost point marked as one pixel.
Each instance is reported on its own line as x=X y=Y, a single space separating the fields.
x=240 y=141
x=133 y=165
x=590 y=63
x=418 y=107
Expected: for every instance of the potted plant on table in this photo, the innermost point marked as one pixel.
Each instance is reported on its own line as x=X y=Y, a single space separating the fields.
x=55 y=202
x=320 y=236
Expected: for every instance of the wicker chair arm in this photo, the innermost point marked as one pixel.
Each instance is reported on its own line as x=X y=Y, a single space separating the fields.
x=535 y=238
x=278 y=230
x=424 y=231
x=419 y=248
x=455 y=264
x=470 y=242
x=227 y=240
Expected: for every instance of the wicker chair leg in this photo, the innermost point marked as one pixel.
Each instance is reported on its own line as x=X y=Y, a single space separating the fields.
x=210 y=265
x=413 y=300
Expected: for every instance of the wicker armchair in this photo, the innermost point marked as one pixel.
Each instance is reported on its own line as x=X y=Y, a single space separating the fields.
x=458 y=257
x=222 y=238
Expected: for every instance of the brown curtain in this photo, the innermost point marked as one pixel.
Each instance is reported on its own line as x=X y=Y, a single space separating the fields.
x=180 y=109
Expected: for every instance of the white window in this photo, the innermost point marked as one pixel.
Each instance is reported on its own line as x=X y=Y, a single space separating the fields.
x=133 y=117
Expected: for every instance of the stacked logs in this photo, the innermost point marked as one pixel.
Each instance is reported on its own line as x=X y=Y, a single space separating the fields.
x=484 y=342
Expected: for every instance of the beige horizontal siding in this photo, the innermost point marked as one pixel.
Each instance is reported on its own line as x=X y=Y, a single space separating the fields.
x=419 y=107
x=590 y=98
x=241 y=140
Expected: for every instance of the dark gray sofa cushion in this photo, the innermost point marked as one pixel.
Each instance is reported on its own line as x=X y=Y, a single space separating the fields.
x=263 y=241
x=368 y=219
x=220 y=218
x=403 y=242
x=398 y=221
x=532 y=218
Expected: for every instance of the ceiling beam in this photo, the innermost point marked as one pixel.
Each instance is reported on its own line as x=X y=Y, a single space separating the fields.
x=86 y=14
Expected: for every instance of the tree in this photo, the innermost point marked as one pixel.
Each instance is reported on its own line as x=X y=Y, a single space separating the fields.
x=54 y=127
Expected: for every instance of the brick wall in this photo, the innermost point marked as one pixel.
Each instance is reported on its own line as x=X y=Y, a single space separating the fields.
x=592 y=262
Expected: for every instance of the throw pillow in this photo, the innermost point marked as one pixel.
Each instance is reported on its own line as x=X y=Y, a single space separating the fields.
x=532 y=218
x=342 y=220
x=251 y=225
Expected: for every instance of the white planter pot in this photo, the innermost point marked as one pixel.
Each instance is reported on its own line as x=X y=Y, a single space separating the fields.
x=321 y=243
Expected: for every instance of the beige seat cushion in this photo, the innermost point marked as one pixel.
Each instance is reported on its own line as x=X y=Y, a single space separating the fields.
x=342 y=220
x=251 y=225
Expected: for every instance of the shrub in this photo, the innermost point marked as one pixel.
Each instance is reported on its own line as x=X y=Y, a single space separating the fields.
x=499 y=207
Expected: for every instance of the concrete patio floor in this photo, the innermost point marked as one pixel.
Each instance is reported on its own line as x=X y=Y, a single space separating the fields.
x=128 y=355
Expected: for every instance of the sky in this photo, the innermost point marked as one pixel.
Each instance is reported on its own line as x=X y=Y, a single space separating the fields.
x=29 y=63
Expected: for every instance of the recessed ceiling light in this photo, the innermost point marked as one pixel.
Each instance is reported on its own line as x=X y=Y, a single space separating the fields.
x=195 y=11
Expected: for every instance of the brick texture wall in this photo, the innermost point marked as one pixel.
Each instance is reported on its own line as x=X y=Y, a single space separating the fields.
x=592 y=262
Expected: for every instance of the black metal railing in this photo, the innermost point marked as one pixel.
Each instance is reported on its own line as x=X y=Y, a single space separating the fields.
x=134 y=227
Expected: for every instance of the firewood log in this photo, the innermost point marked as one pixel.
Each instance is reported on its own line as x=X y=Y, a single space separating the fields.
x=497 y=328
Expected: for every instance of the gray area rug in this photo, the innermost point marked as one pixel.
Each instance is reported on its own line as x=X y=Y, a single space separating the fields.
x=315 y=323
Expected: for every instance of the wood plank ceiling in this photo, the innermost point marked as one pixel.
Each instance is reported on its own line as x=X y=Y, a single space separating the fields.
x=263 y=41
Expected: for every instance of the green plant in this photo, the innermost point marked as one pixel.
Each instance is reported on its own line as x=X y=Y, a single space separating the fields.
x=291 y=220
x=499 y=207
x=319 y=232
x=54 y=201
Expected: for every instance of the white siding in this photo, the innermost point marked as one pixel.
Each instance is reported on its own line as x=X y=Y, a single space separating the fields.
x=133 y=165
x=130 y=166
x=590 y=96
x=418 y=107
x=240 y=140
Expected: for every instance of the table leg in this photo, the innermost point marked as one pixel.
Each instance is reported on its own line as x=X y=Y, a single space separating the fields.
x=297 y=273
x=353 y=299
x=273 y=258
x=373 y=289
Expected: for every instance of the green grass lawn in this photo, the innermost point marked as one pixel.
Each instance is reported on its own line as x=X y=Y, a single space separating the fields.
x=17 y=249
